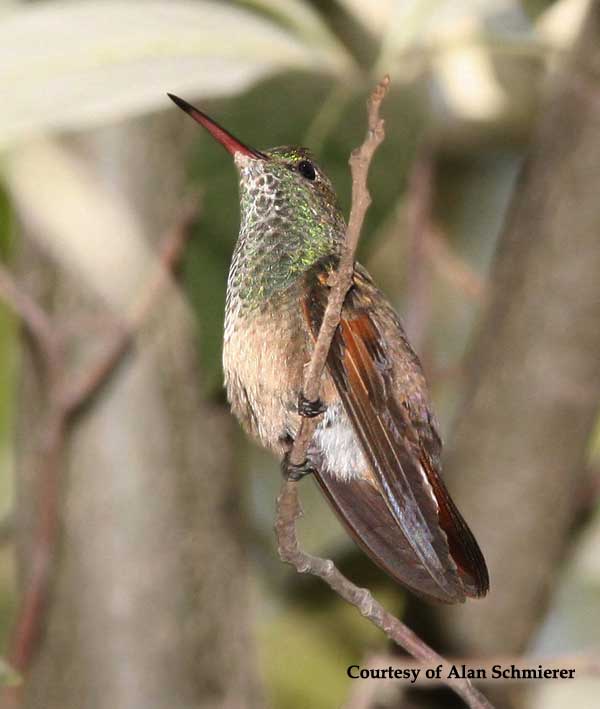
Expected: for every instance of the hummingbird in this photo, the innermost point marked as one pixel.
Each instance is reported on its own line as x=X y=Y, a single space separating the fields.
x=375 y=453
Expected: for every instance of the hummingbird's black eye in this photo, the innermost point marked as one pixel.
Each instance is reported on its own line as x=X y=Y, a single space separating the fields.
x=306 y=169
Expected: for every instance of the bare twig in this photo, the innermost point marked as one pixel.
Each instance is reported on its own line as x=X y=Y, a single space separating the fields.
x=38 y=327
x=33 y=603
x=288 y=506
x=289 y=511
x=65 y=401
x=360 y=161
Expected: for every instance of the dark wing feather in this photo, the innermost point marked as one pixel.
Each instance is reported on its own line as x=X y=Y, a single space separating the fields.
x=463 y=546
x=367 y=518
x=430 y=529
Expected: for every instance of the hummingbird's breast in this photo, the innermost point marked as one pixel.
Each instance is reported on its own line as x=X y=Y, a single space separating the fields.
x=264 y=355
x=264 y=351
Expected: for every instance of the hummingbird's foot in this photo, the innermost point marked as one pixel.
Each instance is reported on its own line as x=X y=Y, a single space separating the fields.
x=293 y=472
x=309 y=409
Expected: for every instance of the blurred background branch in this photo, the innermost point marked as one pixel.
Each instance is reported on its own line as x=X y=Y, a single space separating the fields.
x=533 y=382
x=65 y=401
x=145 y=497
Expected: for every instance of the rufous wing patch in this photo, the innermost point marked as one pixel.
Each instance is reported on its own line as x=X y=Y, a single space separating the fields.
x=426 y=529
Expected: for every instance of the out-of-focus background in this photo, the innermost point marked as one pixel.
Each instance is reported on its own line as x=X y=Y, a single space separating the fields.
x=160 y=585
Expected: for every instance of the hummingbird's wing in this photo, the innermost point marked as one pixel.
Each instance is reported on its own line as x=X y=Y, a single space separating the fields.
x=403 y=517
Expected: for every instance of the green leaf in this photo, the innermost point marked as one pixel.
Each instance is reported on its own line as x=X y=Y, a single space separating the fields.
x=74 y=65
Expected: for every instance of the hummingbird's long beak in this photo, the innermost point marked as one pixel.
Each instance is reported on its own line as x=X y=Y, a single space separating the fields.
x=228 y=141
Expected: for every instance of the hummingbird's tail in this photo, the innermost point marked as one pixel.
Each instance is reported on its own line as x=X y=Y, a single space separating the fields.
x=366 y=516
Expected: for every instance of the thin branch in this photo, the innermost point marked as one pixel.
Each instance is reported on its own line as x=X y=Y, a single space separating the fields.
x=35 y=320
x=288 y=506
x=33 y=604
x=288 y=512
x=360 y=160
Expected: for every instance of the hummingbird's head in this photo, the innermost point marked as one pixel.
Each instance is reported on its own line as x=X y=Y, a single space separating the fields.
x=290 y=218
x=282 y=183
x=286 y=179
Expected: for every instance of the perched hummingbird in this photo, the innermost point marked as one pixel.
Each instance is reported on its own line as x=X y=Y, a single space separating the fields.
x=376 y=450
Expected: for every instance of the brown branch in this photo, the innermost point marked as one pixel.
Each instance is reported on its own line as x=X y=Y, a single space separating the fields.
x=33 y=604
x=65 y=401
x=532 y=385
x=35 y=320
x=288 y=505
x=360 y=160
x=288 y=512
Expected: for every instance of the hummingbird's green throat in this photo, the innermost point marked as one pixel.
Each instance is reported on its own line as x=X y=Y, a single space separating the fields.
x=290 y=217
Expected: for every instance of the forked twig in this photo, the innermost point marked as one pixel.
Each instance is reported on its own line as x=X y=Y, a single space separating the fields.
x=288 y=505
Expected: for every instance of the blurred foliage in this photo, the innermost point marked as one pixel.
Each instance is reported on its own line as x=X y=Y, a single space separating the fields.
x=93 y=61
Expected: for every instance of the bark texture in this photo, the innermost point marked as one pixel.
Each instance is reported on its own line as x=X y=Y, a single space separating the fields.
x=517 y=456
x=150 y=606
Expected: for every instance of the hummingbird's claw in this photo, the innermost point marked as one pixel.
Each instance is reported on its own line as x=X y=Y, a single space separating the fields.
x=294 y=472
x=309 y=409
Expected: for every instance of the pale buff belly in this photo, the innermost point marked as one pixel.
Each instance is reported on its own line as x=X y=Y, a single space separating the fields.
x=263 y=357
x=263 y=361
